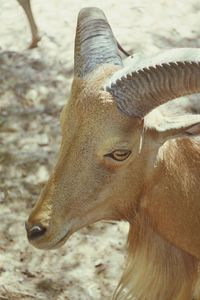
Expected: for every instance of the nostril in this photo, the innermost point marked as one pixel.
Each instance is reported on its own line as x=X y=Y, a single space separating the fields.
x=35 y=232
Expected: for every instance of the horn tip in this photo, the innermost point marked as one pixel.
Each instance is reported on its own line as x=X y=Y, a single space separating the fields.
x=90 y=10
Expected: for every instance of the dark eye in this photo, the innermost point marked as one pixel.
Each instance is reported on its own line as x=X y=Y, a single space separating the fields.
x=119 y=155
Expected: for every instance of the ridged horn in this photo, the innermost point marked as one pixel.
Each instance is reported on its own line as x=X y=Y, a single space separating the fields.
x=95 y=43
x=156 y=80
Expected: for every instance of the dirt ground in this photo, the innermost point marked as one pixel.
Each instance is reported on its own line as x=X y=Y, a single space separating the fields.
x=34 y=85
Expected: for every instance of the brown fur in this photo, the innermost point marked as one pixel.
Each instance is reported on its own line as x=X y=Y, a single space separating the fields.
x=155 y=269
x=156 y=190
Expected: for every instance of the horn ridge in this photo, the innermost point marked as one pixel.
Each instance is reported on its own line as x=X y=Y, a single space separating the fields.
x=95 y=43
x=151 y=86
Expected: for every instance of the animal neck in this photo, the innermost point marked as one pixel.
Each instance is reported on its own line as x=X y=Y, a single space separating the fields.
x=172 y=195
x=174 y=170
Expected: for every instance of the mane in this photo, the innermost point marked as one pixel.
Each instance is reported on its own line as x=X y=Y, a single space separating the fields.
x=155 y=269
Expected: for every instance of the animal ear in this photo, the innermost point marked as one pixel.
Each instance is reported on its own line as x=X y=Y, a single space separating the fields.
x=178 y=126
x=149 y=82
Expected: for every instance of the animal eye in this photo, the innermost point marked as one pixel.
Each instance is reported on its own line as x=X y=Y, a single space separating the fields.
x=119 y=155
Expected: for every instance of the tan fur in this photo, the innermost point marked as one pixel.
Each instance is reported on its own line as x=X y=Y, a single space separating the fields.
x=172 y=199
x=156 y=190
x=155 y=269
x=196 y=293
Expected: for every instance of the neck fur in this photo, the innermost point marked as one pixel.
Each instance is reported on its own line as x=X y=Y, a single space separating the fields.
x=155 y=269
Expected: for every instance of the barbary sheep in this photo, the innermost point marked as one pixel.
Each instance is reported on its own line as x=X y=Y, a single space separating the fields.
x=114 y=163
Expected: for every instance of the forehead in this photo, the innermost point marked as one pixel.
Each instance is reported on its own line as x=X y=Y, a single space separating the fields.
x=91 y=105
x=88 y=93
x=92 y=109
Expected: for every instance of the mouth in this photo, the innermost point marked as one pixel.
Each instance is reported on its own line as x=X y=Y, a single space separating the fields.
x=55 y=241
x=61 y=242
x=48 y=245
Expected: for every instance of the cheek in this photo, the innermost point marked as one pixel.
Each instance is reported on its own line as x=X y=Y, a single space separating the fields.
x=122 y=185
x=82 y=186
x=111 y=185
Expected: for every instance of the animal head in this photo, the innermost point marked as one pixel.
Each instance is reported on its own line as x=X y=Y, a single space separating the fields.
x=108 y=150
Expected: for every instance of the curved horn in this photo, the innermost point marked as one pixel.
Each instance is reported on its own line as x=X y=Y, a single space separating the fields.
x=169 y=75
x=95 y=43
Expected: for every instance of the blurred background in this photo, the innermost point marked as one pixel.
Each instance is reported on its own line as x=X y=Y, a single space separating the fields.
x=34 y=86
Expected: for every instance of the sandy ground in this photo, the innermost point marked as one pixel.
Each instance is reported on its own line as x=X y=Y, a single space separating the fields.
x=34 y=85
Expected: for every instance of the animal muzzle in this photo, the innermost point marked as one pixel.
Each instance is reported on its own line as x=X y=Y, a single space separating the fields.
x=35 y=231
